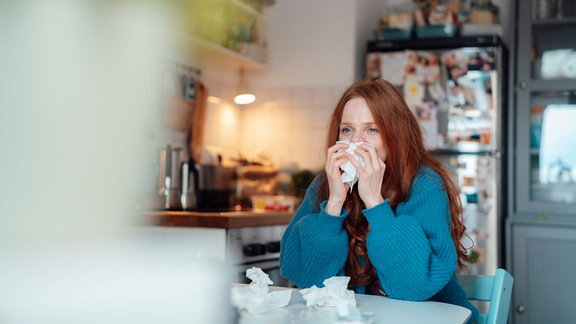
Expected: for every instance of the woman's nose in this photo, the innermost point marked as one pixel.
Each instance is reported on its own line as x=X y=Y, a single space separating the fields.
x=356 y=137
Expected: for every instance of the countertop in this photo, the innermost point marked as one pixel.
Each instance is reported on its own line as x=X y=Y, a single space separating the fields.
x=228 y=219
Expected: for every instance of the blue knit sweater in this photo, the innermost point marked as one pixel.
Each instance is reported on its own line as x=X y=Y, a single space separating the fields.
x=411 y=248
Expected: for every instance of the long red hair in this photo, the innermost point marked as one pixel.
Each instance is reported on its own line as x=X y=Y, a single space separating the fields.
x=403 y=141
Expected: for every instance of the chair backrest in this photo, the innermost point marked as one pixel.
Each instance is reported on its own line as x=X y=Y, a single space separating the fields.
x=497 y=290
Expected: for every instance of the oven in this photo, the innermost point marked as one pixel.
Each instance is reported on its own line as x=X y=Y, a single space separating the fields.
x=256 y=246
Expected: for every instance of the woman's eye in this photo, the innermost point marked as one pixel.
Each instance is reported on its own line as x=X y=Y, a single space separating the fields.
x=346 y=130
x=373 y=130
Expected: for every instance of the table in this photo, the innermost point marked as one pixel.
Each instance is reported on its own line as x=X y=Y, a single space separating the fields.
x=386 y=310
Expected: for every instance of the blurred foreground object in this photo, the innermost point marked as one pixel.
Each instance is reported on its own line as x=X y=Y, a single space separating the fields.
x=79 y=99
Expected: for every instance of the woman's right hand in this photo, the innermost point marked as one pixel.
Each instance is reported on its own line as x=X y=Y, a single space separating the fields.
x=338 y=190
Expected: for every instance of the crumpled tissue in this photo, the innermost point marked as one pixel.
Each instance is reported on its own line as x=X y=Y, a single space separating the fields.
x=256 y=297
x=335 y=293
x=350 y=175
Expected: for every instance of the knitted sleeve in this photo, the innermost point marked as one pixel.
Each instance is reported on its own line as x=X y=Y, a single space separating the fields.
x=314 y=247
x=411 y=248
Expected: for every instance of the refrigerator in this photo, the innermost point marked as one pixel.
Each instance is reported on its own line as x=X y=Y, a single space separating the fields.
x=456 y=88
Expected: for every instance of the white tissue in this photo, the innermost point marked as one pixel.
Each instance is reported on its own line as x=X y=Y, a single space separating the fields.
x=334 y=294
x=255 y=297
x=350 y=175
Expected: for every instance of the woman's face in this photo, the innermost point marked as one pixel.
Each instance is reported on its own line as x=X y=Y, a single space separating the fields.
x=357 y=125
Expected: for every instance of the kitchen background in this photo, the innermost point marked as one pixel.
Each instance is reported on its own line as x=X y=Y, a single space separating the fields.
x=81 y=94
x=315 y=50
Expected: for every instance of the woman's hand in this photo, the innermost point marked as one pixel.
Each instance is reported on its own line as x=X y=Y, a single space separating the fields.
x=336 y=156
x=370 y=175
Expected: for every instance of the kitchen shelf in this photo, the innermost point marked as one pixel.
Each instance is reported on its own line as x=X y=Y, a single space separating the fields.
x=249 y=9
x=544 y=199
x=210 y=52
x=554 y=22
x=226 y=33
x=557 y=85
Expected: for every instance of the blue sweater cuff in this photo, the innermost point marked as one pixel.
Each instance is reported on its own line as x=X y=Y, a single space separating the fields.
x=382 y=211
x=331 y=223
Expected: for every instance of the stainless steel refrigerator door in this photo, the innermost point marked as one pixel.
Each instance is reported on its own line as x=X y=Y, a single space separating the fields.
x=477 y=176
x=455 y=93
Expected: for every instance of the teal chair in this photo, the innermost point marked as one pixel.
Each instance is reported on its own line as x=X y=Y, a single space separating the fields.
x=497 y=290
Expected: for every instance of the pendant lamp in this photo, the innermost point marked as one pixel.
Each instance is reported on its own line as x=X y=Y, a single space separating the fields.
x=244 y=95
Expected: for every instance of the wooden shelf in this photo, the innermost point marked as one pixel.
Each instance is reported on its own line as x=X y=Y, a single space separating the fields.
x=210 y=52
x=226 y=33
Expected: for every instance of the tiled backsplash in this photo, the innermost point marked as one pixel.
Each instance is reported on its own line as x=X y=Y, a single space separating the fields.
x=287 y=125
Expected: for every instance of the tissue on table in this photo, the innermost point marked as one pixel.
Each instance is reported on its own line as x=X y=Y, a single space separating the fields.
x=255 y=297
x=350 y=175
x=335 y=293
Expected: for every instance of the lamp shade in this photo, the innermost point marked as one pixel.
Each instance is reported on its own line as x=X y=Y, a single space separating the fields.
x=244 y=95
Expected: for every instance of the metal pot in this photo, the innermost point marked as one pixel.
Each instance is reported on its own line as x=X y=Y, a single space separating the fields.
x=216 y=186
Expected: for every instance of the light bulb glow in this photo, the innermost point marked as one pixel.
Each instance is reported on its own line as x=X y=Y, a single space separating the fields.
x=244 y=99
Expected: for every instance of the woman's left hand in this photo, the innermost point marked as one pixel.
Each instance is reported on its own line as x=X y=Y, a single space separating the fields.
x=370 y=175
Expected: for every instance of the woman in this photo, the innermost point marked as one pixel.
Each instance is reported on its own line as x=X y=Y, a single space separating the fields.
x=397 y=231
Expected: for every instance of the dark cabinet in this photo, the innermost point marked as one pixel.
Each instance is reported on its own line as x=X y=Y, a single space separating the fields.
x=541 y=233
x=543 y=269
x=545 y=93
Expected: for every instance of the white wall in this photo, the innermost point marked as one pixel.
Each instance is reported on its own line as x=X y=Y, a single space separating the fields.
x=310 y=43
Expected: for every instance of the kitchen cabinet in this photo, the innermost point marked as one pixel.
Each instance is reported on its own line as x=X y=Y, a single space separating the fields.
x=242 y=239
x=545 y=101
x=228 y=33
x=544 y=266
x=541 y=225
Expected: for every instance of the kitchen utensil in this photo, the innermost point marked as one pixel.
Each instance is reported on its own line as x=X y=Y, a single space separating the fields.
x=216 y=186
x=257 y=179
x=169 y=178
x=196 y=142
x=189 y=186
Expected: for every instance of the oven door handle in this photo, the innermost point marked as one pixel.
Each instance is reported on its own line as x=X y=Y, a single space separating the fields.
x=262 y=264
